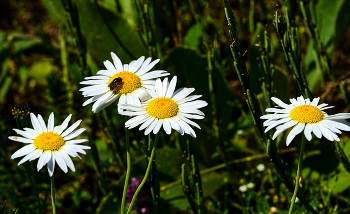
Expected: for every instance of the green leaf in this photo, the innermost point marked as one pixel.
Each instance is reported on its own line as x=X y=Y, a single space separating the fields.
x=129 y=12
x=27 y=45
x=4 y=88
x=255 y=72
x=194 y=36
x=104 y=152
x=281 y=85
x=174 y=199
x=40 y=69
x=168 y=162
x=212 y=182
x=191 y=70
x=109 y=204
x=333 y=17
x=322 y=162
x=262 y=205
x=342 y=182
x=100 y=40
x=313 y=74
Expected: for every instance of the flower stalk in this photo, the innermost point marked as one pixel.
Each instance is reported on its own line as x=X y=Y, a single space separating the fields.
x=128 y=168
x=300 y=162
x=53 y=195
x=146 y=174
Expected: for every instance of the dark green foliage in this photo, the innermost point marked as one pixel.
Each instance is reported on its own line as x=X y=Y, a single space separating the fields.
x=57 y=93
x=237 y=68
x=6 y=210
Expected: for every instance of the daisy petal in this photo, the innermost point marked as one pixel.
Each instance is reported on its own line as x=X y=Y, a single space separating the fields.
x=117 y=63
x=325 y=132
x=64 y=125
x=60 y=161
x=50 y=123
x=307 y=132
x=151 y=126
x=51 y=165
x=35 y=123
x=42 y=123
x=27 y=157
x=158 y=126
x=287 y=125
x=167 y=126
x=68 y=160
x=316 y=130
x=71 y=128
x=25 y=150
x=280 y=103
x=171 y=87
x=76 y=141
x=44 y=158
x=37 y=154
x=25 y=134
x=74 y=134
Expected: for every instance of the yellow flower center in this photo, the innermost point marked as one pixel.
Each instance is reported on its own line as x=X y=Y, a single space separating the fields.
x=307 y=114
x=162 y=107
x=49 y=141
x=124 y=82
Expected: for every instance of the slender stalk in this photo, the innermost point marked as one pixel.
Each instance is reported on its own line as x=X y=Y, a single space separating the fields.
x=146 y=174
x=64 y=61
x=128 y=167
x=301 y=155
x=342 y=156
x=251 y=16
x=53 y=195
x=154 y=182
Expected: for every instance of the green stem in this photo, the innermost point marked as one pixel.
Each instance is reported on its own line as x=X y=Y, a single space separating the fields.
x=53 y=195
x=146 y=174
x=302 y=146
x=128 y=167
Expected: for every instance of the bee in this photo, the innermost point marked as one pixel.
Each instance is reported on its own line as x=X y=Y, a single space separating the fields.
x=114 y=83
x=15 y=138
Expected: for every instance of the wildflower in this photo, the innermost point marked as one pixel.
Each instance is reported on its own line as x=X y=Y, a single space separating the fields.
x=250 y=185
x=129 y=83
x=260 y=167
x=166 y=108
x=243 y=188
x=49 y=143
x=142 y=197
x=20 y=111
x=305 y=116
x=296 y=199
x=240 y=131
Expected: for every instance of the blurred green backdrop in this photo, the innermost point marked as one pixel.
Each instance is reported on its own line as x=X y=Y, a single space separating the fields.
x=47 y=47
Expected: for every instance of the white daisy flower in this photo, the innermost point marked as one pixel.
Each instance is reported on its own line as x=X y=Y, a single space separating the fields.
x=296 y=199
x=243 y=188
x=49 y=143
x=260 y=167
x=129 y=83
x=172 y=110
x=250 y=185
x=305 y=116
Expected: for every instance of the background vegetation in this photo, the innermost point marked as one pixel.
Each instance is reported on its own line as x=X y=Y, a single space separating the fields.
x=47 y=47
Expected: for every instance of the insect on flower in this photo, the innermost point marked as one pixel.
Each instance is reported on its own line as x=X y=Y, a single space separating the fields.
x=115 y=83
